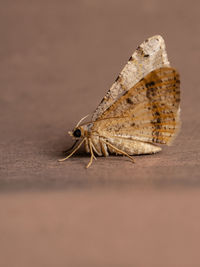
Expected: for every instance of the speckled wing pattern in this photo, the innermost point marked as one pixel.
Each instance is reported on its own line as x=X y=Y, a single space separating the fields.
x=150 y=55
x=148 y=112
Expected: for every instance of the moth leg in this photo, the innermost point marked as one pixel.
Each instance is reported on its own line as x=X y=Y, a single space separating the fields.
x=93 y=148
x=92 y=154
x=73 y=151
x=69 y=149
x=104 y=148
x=87 y=146
x=119 y=150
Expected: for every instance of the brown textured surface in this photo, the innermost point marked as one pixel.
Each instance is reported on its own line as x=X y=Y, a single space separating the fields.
x=57 y=59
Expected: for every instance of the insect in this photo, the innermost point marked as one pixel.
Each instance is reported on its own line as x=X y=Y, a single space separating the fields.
x=140 y=110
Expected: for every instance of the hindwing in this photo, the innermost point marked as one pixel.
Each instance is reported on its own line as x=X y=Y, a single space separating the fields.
x=148 y=112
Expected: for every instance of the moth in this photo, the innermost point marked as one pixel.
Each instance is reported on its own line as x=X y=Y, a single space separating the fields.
x=140 y=110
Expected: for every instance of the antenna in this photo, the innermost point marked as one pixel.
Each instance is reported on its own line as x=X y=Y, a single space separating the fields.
x=81 y=120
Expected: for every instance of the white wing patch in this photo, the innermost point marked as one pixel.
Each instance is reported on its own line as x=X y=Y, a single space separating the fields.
x=150 y=55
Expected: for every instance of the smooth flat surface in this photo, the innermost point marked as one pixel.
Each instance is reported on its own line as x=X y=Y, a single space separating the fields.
x=58 y=59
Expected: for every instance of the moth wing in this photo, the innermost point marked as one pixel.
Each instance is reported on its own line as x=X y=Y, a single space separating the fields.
x=148 y=112
x=150 y=55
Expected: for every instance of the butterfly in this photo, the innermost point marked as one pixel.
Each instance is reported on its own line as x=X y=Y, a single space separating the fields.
x=140 y=110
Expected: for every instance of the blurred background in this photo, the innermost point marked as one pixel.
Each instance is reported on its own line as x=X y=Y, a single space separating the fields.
x=57 y=60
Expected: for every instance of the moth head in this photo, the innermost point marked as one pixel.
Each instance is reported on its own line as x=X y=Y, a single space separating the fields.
x=76 y=133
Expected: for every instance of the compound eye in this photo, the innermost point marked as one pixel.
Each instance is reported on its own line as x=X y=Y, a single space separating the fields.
x=77 y=133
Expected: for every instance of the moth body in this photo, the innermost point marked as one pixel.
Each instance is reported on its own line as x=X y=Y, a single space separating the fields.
x=103 y=143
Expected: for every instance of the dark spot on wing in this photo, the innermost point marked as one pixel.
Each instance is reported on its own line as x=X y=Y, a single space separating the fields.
x=117 y=78
x=151 y=91
x=129 y=101
x=158 y=127
x=150 y=84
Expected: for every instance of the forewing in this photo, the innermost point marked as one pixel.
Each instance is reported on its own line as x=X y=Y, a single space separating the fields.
x=148 y=112
x=150 y=55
